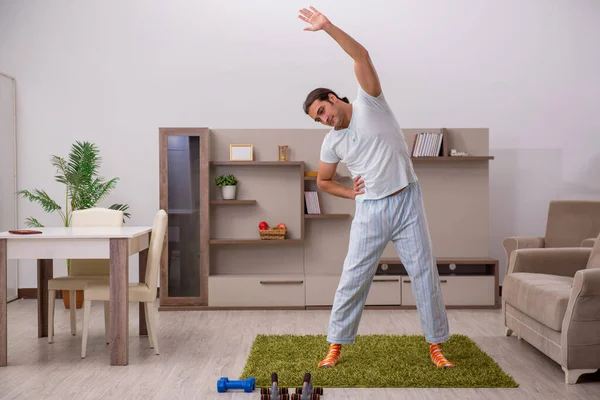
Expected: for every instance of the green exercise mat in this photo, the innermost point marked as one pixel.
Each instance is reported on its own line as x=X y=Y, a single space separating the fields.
x=373 y=361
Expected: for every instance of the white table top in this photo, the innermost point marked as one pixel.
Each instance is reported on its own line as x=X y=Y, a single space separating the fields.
x=126 y=232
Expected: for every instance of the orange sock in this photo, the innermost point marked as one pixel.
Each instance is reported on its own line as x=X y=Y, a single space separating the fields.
x=438 y=357
x=332 y=356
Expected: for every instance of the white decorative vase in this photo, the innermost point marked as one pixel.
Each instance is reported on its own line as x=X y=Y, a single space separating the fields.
x=229 y=192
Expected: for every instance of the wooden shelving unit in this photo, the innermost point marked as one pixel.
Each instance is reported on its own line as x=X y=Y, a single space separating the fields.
x=238 y=270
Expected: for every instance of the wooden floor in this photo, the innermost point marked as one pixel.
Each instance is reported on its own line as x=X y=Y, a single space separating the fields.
x=198 y=347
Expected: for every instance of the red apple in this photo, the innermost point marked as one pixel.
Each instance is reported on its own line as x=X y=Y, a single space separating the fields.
x=263 y=226
x=281 y=226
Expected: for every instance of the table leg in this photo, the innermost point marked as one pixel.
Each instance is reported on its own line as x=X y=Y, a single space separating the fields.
x=143 y=260
x=45 y=272
x=3 y=314
x=119 y=301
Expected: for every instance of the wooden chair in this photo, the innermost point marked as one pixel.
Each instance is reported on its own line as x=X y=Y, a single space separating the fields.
x=83 y=271
x=138 y=292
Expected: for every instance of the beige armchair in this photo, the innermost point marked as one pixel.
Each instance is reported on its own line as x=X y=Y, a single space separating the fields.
x=551 y=299
x=138 y=292
x=83 y=271
x=569 y=224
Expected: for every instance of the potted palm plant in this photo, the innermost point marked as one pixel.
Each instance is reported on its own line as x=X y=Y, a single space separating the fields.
x=228 y=184
x=84 y=188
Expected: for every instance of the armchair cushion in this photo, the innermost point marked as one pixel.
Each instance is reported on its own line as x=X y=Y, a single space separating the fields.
x=100 y=291
x=543 y=297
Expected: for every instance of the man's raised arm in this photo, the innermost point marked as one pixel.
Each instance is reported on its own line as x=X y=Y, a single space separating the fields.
x=363 y=66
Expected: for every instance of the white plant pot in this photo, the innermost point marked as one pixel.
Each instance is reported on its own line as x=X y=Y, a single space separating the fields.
x=228 y=192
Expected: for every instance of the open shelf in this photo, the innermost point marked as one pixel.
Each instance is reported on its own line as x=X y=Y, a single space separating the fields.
x=232 y=202
x=453 y=159
x=259 y=163
x=335 y=178
x=255 y=241
x=326 y=216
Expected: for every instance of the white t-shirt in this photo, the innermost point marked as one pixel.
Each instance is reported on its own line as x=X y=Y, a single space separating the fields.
x=373 y=146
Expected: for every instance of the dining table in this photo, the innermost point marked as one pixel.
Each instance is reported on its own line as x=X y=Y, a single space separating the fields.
x=47 y=244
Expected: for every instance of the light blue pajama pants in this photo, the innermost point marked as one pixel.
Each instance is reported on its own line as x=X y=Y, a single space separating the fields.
x=400 y=218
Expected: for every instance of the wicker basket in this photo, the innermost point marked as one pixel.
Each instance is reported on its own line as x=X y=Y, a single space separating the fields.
x=272 y=234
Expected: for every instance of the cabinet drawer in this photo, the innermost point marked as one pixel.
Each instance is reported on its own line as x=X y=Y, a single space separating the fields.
x=320 y=290
x=256 y=291
x=385 y=290
x=458 y=291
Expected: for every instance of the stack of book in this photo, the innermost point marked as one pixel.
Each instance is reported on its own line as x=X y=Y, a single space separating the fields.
x=427 y=144
x=311 y=202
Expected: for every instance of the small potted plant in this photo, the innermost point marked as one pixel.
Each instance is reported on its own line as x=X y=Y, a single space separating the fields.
x=228 y=184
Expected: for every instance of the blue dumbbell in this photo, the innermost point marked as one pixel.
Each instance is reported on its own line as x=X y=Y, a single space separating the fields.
x=224 y=384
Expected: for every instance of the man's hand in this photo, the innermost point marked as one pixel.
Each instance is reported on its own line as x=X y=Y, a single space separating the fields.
x=316 y=20
x=358 y=185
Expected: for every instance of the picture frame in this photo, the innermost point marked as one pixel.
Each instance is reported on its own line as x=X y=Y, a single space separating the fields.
x=241 y=152
x=283 y=152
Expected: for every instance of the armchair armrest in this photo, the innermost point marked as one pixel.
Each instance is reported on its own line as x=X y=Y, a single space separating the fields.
x=521 y=242
x=563 y=261
x=580 y=342
x=588 y=242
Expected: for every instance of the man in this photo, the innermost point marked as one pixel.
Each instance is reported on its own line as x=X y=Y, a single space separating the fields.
x=366 y=136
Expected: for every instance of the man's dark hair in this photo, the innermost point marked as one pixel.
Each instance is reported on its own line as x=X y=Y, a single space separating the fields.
x=320 y=94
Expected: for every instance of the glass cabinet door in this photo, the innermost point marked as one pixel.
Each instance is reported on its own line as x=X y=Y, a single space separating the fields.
x=184 y=195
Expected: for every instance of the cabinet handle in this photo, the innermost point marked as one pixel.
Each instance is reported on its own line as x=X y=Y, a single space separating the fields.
x=281 y=282
x=441 y=281
x=386 y=280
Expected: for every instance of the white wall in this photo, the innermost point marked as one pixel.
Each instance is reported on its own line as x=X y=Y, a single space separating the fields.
x=114 y=71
